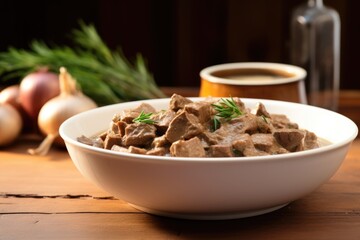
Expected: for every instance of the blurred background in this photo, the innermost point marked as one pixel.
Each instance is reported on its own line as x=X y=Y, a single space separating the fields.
x=179 y=37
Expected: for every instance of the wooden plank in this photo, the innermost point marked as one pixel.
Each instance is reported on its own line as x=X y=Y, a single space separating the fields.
x=61 y=205
x=143 y=226
x=53 y=174
x=330 y=198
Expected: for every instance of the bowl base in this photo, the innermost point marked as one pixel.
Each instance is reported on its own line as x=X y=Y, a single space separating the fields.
x=209 y=216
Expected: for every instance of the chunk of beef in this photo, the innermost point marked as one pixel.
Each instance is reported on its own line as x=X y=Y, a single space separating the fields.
x=119 y=148
x=160 y=142
x=114 y=128
x=310 y=140
x=117 y=127
x=264 y=125
x=139 y=134
x=226 y=134
x=131 y=149
x=261 y=111
x=280 y=121
x=158 y=151
x=202 y=110
x=220 y=151
x=187 y=148
x=211 y=138
x=267 y=143
x=103 y=135
x=121 y=125
x=112 y=139
x=183 y=126
x=240 y=104
x=247 y=123
x=162 y=120
x=85 y=140
x=178 y=102
x=128 y=115
x=242 y=142
x=96 y=142
x=263 y=142
x=137 y=150
x=290 y=139
x=244 y=146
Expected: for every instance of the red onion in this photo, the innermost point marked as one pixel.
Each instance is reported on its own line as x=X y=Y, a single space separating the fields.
x=36 y=89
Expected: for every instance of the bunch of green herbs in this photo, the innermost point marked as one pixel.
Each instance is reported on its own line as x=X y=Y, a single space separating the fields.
x=104 y=75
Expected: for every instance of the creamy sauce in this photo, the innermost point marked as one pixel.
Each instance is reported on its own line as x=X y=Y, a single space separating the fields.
x=254 y=77
x=253 y=74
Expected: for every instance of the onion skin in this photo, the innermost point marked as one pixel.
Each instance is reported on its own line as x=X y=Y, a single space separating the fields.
x=10 y=124
x=36 y=89
x=60 y=108
x=69 y=102
x=10 y=95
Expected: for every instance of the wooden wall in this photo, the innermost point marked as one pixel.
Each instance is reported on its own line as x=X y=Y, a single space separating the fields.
x=179 y=37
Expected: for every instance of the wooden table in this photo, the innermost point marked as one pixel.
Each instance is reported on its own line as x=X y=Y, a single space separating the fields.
x=47 y=198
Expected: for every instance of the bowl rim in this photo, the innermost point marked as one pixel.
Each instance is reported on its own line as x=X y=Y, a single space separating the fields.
x=299 y=72
x=121 y=155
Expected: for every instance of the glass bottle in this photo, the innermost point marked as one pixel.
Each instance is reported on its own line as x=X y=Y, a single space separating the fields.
x=315 y=46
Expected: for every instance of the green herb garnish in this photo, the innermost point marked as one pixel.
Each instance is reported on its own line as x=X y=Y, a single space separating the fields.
x=144 y=118
x=216 y=123
x=226 y=109
x=104 y=75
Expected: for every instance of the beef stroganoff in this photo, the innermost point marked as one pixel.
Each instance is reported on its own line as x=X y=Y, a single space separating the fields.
x=213 y=127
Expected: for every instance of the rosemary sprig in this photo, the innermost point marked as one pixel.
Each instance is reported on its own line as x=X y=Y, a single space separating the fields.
x=226 y=109
x=216 y=123
x=144 y=118
x=105 y=76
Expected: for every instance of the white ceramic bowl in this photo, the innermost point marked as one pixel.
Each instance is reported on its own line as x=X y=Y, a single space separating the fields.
x=211 y=188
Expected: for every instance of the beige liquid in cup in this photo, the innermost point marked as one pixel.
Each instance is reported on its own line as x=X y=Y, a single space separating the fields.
x=252 y=74
x=253 y=77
